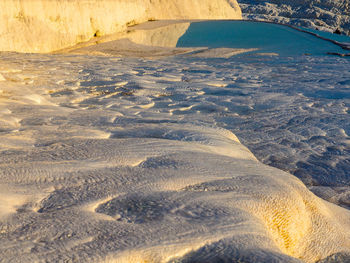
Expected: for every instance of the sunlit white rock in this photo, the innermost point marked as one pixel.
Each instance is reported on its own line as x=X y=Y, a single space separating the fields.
x=44 y=26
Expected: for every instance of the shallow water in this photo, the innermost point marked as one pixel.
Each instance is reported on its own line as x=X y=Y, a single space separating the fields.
x=267 y=37
x=329 y=35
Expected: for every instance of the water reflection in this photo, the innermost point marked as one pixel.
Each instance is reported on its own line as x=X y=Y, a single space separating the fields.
x=265 y=37
x=161 y=36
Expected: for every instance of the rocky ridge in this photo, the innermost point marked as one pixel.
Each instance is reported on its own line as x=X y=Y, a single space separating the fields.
x=332 y=16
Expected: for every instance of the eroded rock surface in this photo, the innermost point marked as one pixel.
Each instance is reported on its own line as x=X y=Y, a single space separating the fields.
x=329 y=15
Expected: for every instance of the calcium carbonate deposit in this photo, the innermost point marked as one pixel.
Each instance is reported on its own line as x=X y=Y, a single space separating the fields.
x=133 y=147
x=328 y=15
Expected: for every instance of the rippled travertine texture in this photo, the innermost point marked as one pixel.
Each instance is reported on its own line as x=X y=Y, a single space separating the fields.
x=44 y=26
x=106 y=159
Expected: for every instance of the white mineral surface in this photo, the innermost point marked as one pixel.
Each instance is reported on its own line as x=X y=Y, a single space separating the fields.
x=110 y=155
x=327 y=15
x=107 y=159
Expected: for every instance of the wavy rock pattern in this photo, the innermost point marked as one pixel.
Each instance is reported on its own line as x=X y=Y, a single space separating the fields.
x=107 y=162
x=329 y=15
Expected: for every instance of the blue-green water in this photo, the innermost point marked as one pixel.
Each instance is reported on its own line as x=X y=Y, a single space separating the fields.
x=336 y=37
x=266 y=37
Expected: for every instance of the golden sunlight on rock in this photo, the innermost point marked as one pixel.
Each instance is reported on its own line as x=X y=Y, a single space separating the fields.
x=45 y=26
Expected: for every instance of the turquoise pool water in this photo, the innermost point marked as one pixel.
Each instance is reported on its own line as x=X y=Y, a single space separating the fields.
x=336 y=37
x=266 y=37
